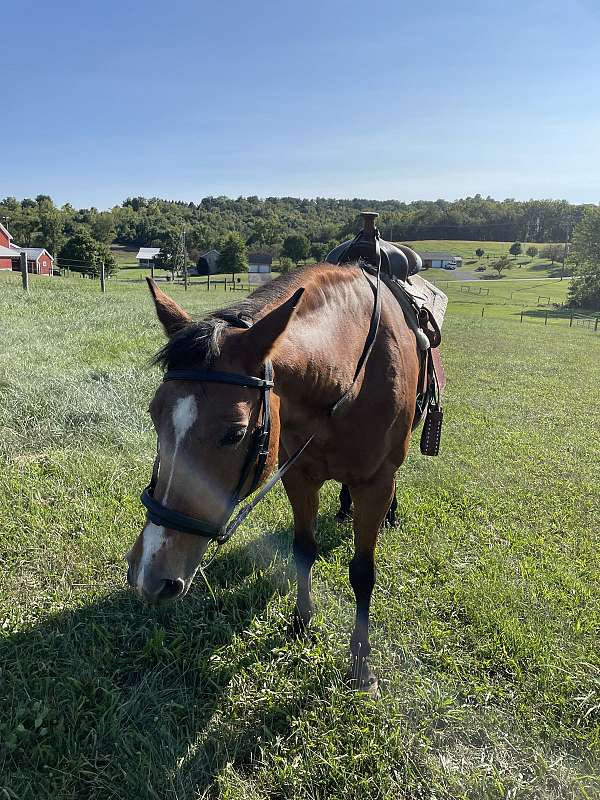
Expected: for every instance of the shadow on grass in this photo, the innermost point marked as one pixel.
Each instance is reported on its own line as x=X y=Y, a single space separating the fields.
x=116 y=699
x=554 y=270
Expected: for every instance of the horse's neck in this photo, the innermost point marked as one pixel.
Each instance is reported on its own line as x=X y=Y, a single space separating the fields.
x=318 y=353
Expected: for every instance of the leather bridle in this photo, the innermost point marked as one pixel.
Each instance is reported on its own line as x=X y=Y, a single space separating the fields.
x=257 y=456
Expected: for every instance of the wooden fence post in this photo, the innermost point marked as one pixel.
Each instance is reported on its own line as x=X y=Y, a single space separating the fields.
x=102 y=278
x=596 y=324
x=24 y=273
x=482 y=311
x=208 y=282
x=571 y=320
x=546 y=319
x=521 y=317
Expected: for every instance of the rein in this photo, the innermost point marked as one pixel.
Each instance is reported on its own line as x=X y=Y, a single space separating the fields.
x=258 y=451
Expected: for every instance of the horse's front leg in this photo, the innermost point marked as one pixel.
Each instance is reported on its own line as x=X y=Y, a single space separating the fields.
x=304 y=499
x=371 y=504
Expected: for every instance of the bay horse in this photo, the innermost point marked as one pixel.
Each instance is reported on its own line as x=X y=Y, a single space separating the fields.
x=311 y=325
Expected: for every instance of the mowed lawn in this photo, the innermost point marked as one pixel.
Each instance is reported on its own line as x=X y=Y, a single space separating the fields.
x=485 y=617
x=520 y=267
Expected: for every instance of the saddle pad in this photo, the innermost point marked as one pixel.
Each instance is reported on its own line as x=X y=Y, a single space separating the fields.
x=422 y=293
x=428 y=295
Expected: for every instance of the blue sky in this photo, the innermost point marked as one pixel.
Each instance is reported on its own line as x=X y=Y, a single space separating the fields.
x=340 y=99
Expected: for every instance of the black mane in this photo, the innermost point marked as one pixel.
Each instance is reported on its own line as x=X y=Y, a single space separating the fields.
x=198 y=344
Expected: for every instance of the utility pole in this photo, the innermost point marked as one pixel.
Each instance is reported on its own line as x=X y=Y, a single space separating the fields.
x=24 y=273
x=185 y=275
x=566 y=252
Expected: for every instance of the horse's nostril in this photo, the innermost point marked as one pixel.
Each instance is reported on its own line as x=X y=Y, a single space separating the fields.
x=171 y=589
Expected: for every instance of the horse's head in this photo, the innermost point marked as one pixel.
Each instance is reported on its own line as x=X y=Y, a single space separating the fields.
x=205 y=433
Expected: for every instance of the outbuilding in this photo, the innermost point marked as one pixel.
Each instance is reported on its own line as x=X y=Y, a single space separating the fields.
x=146 y=256
x=208 y=263
x=39 y=260
x=440 y=260
x=259 y=267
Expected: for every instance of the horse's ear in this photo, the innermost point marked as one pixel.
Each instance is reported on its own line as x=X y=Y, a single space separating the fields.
x=263 y=335
x=171 y=315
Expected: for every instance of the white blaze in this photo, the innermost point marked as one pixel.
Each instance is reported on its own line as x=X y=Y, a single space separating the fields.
x=152 y=540
x=185 y=413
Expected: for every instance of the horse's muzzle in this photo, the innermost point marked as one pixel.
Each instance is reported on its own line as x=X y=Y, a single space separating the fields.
x=156 y=591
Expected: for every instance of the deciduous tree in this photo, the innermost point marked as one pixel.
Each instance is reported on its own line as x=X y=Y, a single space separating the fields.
x=501 y=264
x=584 y=290
x=515 y=249
x=82 y=253
x=296 y=247
x=233 y=256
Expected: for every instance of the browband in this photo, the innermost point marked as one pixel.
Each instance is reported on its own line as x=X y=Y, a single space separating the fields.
x=211 y=376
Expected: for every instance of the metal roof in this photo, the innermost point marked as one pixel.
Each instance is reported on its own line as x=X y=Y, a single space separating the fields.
x=148 y=252
x=36 y=252
x=33 y=253
x=260 y=258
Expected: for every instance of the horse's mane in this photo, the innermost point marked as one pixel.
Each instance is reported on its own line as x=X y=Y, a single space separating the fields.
x=198 y=344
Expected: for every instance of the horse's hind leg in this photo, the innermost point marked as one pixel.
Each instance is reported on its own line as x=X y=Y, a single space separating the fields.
x=304 y=499
x=345 y=512
x=390 y=517
x=371 y=504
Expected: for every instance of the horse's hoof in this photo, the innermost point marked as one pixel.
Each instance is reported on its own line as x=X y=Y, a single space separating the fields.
x=370 y=688
x=298 y=628
x=366 y=684
x=343 y=516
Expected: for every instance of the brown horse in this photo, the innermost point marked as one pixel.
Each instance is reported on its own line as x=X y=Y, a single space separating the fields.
x=314 y=340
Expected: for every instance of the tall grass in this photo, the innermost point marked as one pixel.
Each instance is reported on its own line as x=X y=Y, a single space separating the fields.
x=485 y=614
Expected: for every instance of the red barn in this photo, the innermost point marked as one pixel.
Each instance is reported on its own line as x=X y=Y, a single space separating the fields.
x=39 y=260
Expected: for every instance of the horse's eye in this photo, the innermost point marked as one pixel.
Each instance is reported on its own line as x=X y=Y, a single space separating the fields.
x=233 y=436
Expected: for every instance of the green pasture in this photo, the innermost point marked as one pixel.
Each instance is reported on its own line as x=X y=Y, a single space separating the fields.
x=521 y=267
x=486 y=614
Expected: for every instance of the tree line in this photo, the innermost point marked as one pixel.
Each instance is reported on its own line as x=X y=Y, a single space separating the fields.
x=288 y=227
x=265 y=223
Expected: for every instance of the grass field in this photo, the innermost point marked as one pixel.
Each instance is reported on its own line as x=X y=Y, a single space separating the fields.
x=521 y=267
x=486 y=613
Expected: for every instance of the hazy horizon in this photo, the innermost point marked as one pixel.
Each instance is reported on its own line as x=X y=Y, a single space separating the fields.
x=197 y=200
